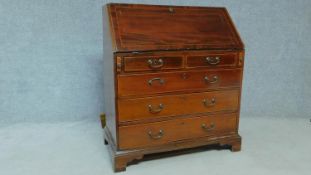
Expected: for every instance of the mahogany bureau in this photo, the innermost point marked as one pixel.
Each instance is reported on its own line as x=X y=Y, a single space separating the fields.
x=173 y=79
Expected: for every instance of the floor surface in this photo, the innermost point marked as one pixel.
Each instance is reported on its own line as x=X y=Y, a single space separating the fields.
x=270 y=146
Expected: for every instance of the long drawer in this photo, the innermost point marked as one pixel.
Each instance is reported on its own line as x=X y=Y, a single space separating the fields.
x=158 y=133
x=170 y=105
x=153 y=83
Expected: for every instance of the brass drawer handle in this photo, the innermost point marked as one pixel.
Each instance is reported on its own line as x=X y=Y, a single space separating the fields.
x=155 y=63
x=212 y=60
x=213 y=80
x=161 y=81
x=208 y=128
x=156 y=136
x=208 y=103
x=154 y=111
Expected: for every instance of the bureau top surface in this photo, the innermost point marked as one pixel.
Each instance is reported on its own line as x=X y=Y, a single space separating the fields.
x=136 y=27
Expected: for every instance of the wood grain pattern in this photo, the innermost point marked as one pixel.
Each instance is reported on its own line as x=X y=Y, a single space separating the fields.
x=174 y=105
x=109 y=78
x=142 y=27
x=136 y=62
x=138 y=84
x=136 y=136
x=212 y=59
x=121 y=159
x=155 y=63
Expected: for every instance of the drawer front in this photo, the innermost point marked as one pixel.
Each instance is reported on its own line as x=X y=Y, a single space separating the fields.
x=170 y=105
x=142 y=84
x=229 y=59
x=145 y=63
x=158 y=133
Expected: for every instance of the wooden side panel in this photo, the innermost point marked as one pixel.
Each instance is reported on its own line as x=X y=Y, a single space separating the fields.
x=157 y=133
x=240 y=64
x=109 y=76
x=150 y=108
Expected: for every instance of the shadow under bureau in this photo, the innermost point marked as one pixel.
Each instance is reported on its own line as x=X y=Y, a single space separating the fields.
x=173 y=78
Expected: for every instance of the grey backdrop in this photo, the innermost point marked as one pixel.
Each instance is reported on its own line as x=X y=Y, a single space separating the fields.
x=51 y=57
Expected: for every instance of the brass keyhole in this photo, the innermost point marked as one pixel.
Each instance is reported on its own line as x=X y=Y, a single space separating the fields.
x=184 y=76
x=171 y=10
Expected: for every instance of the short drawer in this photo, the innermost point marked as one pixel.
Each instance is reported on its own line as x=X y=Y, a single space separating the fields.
x=158 y=133
x=145 y=63
x=213 y=59
x=153 y=83
x=170 y=105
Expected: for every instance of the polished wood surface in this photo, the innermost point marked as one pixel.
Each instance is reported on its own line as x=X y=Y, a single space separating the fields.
x=109 y=77
x=138 y=84
x=213 y=60
x=139 y=62
x=145 y=27
x=157 y=133
x=174 y=105
x=155 y=63
x=120 y=159
x=173 y=79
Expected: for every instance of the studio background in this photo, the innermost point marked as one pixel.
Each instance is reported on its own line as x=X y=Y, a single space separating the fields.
x=51 y=90
x=51 y=63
